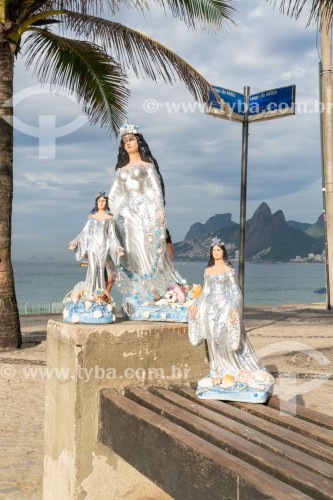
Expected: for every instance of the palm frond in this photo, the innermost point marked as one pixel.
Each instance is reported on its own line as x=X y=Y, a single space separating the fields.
x=45 y=22
x=200 y=13
x=85 y=70
x=23 y=9
x=321 y=10
x=194 y=13
x=135 y=50
x=95 y=7
x=35 y=20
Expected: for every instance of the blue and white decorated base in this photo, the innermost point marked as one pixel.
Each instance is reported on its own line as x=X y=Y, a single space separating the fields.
x=246 y=396
x=87 y=312
x=133 y=310
x=239 y=391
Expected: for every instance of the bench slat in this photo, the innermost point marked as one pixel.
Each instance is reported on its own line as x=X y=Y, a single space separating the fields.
x=181 y=463
x=307 y=414
x=287 y=421
x=310 y=446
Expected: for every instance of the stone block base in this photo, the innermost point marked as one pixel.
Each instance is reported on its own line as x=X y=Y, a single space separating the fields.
x=82 y=360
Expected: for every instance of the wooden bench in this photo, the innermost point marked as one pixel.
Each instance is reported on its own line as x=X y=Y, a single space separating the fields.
x=201 y=449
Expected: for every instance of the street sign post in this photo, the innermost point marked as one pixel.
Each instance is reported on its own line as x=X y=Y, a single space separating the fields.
x=246 y=108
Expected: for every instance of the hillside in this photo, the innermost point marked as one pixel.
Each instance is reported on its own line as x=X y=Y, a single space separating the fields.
x=317 y=229
x=218 y=221
x=269 y=238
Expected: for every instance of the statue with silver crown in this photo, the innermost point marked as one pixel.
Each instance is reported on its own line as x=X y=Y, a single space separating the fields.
x=90 y=300
x=152 y=288
x=216 y=317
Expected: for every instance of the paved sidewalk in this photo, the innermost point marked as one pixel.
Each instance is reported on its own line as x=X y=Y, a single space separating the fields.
x=295 y=342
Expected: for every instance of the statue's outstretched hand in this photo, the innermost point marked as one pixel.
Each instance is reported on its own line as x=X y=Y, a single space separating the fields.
x=72 y=245
x=120 y=251
x=193 y=311
x=160 y=213
x=233 y=316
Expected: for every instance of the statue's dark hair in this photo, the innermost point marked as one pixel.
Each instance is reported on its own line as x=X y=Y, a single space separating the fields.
x=168 y=236
x=226 y=259
x=145 y=155
x=107 y=208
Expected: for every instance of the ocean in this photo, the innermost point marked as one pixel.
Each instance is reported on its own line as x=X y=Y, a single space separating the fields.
x=50 y=281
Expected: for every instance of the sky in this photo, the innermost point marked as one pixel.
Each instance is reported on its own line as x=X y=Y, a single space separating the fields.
x=57 y=179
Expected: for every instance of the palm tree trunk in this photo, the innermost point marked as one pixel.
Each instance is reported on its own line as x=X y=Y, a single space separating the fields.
x=327 y=121
x=10 y=333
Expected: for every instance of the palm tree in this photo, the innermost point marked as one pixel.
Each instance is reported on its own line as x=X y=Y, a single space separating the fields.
x=69 y=44
x=294 y=8
x=321 y=13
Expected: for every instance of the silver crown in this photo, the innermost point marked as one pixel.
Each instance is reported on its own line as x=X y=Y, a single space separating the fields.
x=100 y=194
x=216 y=241
x=127 y=128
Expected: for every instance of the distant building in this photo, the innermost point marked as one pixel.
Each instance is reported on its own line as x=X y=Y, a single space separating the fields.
x=318 y=258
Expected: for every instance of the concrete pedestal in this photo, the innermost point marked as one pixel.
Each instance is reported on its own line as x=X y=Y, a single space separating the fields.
x=83 y=359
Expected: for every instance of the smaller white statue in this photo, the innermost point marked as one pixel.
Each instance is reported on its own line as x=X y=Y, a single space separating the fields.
x=236 y=374
x=90 y=300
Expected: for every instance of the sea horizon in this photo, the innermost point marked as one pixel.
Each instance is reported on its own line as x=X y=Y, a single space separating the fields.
x=265 y=283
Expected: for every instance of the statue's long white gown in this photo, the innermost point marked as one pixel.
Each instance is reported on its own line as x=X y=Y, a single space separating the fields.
x=98 y=240
x=146 y=271
x=232 y=358
x=84 y=304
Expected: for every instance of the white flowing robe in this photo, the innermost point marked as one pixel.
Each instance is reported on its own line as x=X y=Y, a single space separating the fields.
x=219 y=321
x=136 y=202
x=98 y=240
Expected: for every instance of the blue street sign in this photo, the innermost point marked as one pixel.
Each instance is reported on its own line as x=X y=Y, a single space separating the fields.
x=272 y=103
x=234 y=108
x=266 y=105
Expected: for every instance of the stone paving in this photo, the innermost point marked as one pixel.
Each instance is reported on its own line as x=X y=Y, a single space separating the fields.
x=295 y=342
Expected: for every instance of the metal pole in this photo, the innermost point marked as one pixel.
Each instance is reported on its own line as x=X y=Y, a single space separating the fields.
x=245 y=143
x=323 y=191
x=327 y=144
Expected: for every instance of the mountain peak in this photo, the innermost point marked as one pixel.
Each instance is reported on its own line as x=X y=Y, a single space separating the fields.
x=214 y=223
x=279 y=217
x=262 y=212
